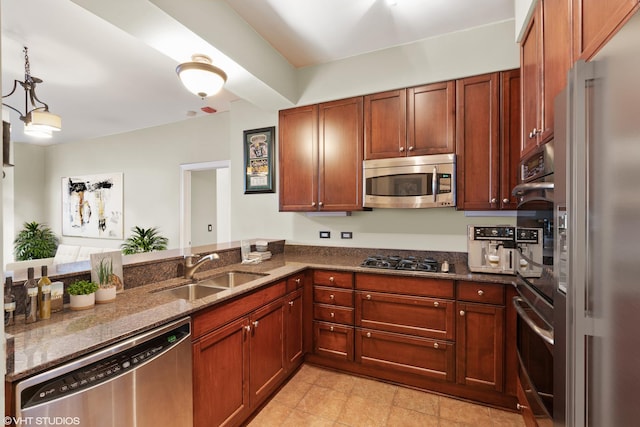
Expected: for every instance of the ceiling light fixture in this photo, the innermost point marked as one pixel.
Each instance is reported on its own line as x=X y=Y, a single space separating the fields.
x=200 y=77
x=38 y=121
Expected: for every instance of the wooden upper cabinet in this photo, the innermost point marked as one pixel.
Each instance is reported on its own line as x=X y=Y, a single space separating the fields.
x=431 y=119
x=531 y=81
x=596 y=21
x=510 y=133
x=478 y=142
x=340 y=148
x=385 y=124
x=298 y=154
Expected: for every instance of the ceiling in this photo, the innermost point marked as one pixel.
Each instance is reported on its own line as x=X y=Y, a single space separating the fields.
x=105 y=74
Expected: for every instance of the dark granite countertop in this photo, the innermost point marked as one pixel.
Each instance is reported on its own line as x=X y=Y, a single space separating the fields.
x=68 y=335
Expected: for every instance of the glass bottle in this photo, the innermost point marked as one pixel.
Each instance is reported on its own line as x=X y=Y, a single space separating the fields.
x=31 y=298
x=9 y=303
x=44 y=295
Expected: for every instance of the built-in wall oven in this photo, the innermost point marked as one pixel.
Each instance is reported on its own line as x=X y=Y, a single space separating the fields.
x=534 y=303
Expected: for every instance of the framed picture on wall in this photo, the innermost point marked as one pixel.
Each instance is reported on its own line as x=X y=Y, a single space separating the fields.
x=258 y=160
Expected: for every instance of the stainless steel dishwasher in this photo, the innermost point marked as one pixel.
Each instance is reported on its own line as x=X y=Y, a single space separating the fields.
x=142 y=381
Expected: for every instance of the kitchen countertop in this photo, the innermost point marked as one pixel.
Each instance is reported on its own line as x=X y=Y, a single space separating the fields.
x=70 y=334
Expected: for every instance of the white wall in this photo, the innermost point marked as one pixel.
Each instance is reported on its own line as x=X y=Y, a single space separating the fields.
x=203 y=207
x=523 y=11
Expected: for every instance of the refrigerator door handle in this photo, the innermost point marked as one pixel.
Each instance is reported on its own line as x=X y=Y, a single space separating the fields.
x=545 y=334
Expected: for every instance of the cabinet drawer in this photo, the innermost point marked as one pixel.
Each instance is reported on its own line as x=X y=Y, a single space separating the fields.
x=295 y=282
x=488 y=293
x=420 y=316
x=333 y=340
x=338 y=279
x=332 y=313
x=414 y=355
x=419 y=286
x=332 y=296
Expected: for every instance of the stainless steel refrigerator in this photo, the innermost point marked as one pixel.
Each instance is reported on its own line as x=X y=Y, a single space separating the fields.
x=597 y=239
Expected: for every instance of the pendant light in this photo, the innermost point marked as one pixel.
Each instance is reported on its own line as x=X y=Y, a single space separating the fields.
x=200 y=77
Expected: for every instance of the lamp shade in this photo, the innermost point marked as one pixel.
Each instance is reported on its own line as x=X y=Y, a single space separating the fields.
x=200 y=77
x=41 y=123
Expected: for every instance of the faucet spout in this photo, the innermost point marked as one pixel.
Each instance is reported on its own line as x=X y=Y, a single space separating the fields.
x=190 y=267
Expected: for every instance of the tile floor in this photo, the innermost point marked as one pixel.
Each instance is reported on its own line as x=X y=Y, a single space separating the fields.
x=319 y=397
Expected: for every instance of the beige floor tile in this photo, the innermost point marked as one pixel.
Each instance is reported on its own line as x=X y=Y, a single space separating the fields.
x=464 y=412
x=401 y=417
x=506 y=418
x=336 y=381
x=449 y=423
x=323 y=402
x=300 y=419
x=308 y=374
x=415 y=400
x=274 y=414
x=361 y=412
x=291 y=394
x=377 y=391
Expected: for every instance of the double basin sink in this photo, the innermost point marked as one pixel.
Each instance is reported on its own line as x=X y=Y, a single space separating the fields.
x=213 y=285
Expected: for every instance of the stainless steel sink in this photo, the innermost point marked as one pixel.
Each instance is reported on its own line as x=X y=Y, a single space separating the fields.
x=193 y=291
x=230 y=279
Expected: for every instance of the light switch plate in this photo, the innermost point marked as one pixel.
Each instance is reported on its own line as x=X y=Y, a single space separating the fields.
x=346 y=235
x=325 y=234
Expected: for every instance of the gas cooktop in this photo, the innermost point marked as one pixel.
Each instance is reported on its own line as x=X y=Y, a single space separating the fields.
x=409 y=263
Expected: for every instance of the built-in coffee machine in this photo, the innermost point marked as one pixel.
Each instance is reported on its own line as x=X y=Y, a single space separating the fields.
x=491 y=249
x=504 y=249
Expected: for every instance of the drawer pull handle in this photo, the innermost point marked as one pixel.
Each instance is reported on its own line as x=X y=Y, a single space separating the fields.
x=332 y=297
x=461 y=312
x=368 y=334
x=331 y=328
x=368 y=296
x=436 y=345
x=436 y=304
x=480 y=292
x=333 y=314
x=331 y=279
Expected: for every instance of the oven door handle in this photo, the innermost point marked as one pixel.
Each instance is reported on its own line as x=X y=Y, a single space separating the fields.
x=520 y=189
x=545 y=334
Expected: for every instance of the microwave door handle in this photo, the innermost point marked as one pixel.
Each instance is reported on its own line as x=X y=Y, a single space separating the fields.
x=545 y=334
x=434 y=183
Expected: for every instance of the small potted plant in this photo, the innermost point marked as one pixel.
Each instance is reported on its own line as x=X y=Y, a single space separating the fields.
x=106 y=286
x=82 y=294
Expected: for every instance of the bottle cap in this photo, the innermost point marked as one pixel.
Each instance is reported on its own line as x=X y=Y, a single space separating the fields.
x=30 y=273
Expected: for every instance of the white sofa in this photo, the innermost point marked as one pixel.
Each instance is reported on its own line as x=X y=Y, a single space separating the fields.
x=64 y=255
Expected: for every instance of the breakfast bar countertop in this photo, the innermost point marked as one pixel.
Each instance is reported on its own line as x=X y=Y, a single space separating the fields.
x=69 y=334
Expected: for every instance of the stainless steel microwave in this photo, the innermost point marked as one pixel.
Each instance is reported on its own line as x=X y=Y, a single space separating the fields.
x=410 y=182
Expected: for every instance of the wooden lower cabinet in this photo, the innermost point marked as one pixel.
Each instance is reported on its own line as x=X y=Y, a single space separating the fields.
x=405 y=353
x=293 y=337
x=333 y=340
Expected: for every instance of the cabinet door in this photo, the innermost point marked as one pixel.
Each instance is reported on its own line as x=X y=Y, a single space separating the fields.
x=385 y=124
x=478 y=142
x=596 y=21
x=404 y=353
x=220 y=376
x=425 y=317
x=298 y=152
x=531 y=82
x=432 y=116
x=267 y=351
x=481 y=342
x=293 y=330
x=509 y=137
x=340 y=135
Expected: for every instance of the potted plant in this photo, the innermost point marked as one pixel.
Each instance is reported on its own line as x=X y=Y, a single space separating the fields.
x=82 y=294
x=35 y=241
x=106 y=285
x=144 y=240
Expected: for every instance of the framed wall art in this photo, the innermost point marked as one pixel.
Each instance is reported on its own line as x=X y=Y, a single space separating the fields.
x=258 y=160
x=92 y=206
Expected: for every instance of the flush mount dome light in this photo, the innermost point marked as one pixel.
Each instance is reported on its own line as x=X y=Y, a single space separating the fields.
x=200 y=77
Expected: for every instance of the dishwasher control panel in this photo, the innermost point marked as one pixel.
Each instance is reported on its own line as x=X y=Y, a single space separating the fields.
x=103 y=370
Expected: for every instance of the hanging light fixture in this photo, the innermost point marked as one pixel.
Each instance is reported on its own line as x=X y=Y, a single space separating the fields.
x=200 y=77
x=38 y=121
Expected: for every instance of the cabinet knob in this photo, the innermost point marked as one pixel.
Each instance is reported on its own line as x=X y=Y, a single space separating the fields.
x=297 y=281
x=436 y=345
x=255 y=324
x=520 y=407
x=331 y=328
x=534 y=132
x=333 y=314
x=411 y=148
x=331 y=279
x=247 y=328
x=494 y=200
x=402 y=149
x=461 y=312
x=291 y=303
x=480 y=292
x=368 y=296
x=332 y=297
x=505 y=200
x=436 y=304
x=313 y=204
x=368 y=334
x=320 y=204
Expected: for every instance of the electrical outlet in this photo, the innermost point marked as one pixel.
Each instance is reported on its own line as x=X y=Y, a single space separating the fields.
x=209 y=227
x=346 y=235
x=325 y=234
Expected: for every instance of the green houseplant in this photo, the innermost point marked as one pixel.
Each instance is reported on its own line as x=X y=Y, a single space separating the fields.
x=82 y=294
x=35 y=241
x=144 y=240
x=106 y=285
